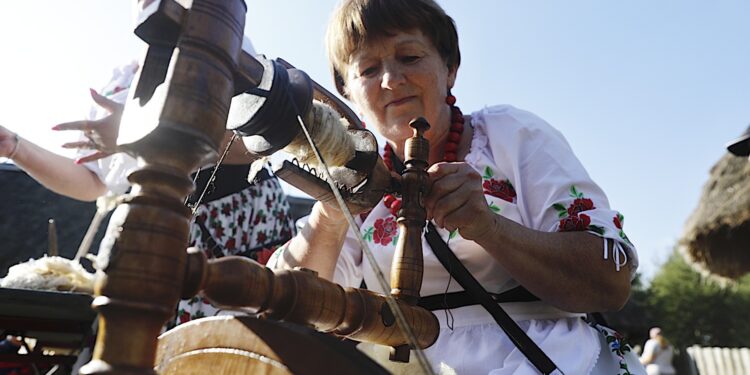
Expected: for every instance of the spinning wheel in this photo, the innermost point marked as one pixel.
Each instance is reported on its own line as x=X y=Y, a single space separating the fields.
x=246 y=345
x=173 y=122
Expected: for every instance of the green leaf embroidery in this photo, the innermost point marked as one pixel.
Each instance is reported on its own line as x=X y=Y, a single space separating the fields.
x=453 y=234
x=574 y=192
x=621 y=218
x=597 y=229
x=487 y=173
x=367 y=236
x=395 y=239
x=561 y=210
x=494 y=208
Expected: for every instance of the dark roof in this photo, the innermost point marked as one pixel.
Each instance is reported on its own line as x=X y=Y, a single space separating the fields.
x=27 y=206
x=717 y=234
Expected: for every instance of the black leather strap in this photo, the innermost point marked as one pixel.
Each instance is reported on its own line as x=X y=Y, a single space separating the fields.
x=455 y=300
x=464 y=278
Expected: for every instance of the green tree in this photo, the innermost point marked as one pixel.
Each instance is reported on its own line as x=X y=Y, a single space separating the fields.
x=692 y=309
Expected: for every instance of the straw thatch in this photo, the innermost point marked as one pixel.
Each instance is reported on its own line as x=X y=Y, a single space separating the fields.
x=717 y=234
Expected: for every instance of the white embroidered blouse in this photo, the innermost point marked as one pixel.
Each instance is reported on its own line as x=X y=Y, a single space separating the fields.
x=531 y=176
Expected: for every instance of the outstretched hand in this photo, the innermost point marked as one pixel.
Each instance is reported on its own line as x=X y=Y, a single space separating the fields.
x=456 y=200
x=101 y=134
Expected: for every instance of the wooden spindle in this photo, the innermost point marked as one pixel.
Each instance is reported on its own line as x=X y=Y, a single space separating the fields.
x=407 y=267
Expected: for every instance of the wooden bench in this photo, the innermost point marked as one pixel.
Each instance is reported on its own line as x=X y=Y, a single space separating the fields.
x=719 y=361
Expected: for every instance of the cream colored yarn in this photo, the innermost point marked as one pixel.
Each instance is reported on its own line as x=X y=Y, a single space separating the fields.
x=328 y=129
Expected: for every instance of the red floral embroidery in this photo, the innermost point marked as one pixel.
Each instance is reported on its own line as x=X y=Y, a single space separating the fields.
x=201 y=218
x=501 y=189
x=230 y=244
x=264 y=255
x=184 y=317
x=617 y=222
x=571 y=218
x=385 y=230
x=575 y=223
x=579 y=205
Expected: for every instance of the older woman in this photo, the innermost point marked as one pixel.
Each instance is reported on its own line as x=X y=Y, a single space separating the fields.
x=511 y=199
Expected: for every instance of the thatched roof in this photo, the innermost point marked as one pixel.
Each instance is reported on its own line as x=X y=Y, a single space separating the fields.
x=717 y=234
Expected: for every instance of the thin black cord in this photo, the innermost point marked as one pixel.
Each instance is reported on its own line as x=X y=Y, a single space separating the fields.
x=213 y=175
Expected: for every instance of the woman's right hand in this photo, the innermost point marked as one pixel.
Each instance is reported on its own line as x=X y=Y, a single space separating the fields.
x=8 y=142
x=101 y=134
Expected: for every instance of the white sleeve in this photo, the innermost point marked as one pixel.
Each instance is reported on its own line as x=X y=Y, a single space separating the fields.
x=555 y=193
x=349 y=265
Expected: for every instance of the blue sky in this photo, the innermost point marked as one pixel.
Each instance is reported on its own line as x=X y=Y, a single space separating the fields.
x=646 y=92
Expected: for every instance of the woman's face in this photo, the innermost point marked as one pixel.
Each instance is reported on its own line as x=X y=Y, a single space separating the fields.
x=395 y=79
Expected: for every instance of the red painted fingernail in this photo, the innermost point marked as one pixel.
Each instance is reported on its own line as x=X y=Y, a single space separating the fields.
x=93 y=92
x=56 y=127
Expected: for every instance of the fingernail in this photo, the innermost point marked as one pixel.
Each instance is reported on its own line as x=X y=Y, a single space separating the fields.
x=93 y=92
x=79 y=161
x=56 y=127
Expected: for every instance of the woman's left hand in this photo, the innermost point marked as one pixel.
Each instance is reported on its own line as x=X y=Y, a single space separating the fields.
x=456 y=200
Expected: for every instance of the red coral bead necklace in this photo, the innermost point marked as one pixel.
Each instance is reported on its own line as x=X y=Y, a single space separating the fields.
x=450 y=153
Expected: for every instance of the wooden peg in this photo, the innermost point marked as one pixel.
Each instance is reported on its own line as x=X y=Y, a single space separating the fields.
x=407 y=266
x=52 y=238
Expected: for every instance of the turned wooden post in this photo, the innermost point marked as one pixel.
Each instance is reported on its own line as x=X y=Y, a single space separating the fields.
x=407 y=267
x=173 y=123
x=300 y=296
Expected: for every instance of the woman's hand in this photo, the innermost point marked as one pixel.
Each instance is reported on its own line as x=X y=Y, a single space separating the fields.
x=456 y=200
x=101 y=134
x=8 y=142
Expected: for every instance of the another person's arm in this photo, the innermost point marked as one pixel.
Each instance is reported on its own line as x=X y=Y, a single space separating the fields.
x=55 y=172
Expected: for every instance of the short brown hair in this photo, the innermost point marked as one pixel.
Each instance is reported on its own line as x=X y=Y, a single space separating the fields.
x=356 y=22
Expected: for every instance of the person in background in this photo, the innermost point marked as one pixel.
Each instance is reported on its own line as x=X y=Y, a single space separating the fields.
x=657 y=354
x=507 y=195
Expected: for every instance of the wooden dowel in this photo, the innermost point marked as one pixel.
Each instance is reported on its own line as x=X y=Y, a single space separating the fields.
x=52 y=238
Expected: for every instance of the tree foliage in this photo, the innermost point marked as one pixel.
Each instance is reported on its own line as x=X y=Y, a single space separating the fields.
x=693 y=309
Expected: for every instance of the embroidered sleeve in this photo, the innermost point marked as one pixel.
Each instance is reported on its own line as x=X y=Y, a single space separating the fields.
x=553 y=190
